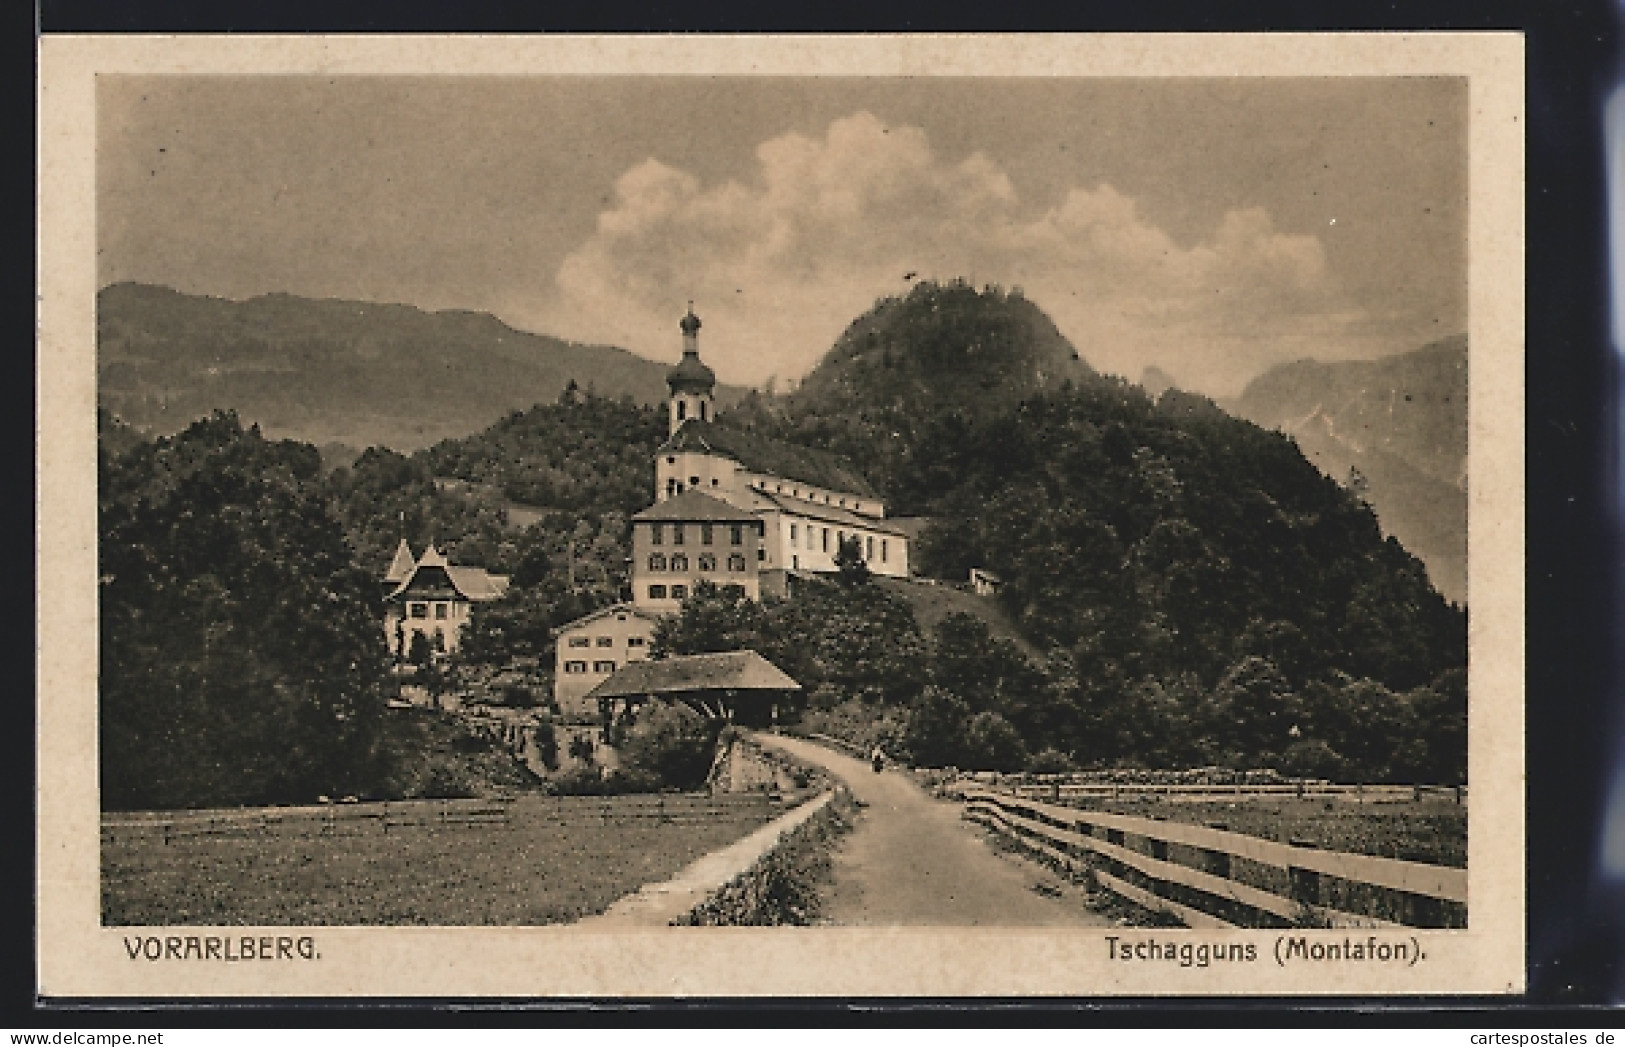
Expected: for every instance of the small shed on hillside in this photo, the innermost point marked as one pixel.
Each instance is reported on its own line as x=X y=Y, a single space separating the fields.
x=984 y=582
x=722 y=685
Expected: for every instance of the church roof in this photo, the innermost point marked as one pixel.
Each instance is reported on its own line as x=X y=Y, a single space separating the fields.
x=726 y=671
x=693 y=505
x=761 y=454
x=831 y=514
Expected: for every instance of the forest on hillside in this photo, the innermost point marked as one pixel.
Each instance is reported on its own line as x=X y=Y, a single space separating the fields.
x=1161 y=551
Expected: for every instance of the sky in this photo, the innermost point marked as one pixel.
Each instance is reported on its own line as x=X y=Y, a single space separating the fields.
x=1209 y=227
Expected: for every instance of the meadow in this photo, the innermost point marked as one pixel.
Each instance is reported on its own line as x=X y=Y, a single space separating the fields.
x=527 y=861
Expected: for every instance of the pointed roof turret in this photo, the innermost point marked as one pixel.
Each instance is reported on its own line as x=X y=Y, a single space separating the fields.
x=400 y=568
x=432 y=557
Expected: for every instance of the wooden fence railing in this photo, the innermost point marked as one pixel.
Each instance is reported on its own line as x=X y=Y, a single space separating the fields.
x=394 y=815
x=1209 y=877
x=1058 y=791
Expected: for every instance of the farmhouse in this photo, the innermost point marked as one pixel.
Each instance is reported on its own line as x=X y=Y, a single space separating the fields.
x=432 y=597
x=592 y=647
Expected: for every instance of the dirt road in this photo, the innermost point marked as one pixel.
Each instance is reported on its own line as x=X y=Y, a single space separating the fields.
x=911 y=860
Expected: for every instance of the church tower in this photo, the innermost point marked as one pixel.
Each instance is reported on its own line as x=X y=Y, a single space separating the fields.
x=691 y=382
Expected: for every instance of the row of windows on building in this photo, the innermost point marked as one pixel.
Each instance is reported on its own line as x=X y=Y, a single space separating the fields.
x=421 y=610
x=604 y=641
x=675 y=487
x=703 y=562
x=576 y=666
x=657 y=534
x=680 y=592
x=823 y=543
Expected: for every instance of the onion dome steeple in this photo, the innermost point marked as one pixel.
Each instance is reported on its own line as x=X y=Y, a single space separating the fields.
x=690 y=382
x=690 y=375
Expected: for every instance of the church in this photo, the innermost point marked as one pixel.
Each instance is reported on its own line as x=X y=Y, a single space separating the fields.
x=806 y=502
x=742 y=511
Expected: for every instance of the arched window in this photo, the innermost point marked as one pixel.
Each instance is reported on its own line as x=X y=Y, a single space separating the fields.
x=736 y=535
x=679 y=562
x=657 y=562
x=707 y=562
x=736 y=562
x=657 y=534
x=705 y=534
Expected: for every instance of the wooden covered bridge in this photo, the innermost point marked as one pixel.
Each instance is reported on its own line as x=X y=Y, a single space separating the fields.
x=726 y=686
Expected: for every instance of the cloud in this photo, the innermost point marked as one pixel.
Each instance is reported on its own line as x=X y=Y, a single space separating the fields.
x=780 y=262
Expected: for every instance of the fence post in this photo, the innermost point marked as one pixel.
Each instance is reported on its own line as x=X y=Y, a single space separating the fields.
x=1305 y=882
x=1216 y=861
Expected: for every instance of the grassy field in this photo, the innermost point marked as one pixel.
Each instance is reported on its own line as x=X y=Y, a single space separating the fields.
x=545 y=860
x=1432 y=830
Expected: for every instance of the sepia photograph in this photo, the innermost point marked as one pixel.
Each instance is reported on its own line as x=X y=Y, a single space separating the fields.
x=942 y=522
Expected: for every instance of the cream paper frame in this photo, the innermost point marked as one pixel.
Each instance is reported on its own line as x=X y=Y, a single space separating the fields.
x=77 y=957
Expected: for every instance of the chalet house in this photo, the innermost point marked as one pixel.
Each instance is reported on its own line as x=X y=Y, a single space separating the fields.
x=432 y=597
x=593 y=647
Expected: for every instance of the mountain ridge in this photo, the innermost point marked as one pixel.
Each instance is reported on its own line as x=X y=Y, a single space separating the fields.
x=334 y=370
x=1396 y=429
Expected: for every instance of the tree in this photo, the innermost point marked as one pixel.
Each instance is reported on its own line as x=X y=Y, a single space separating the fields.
x=1254 y=710
x=934 y=732
x=669 y=747
x=850 y=565
x=711 y=619
x=992 y=744
x=243 y=658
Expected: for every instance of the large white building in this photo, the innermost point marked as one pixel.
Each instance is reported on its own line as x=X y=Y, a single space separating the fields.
x=808 y=501
x=732 y=508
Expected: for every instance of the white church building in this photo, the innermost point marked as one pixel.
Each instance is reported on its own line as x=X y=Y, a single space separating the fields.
x=733 y=508
x=808 y=501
